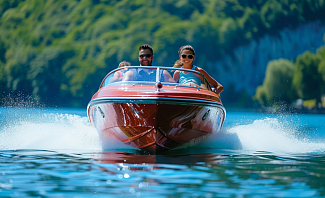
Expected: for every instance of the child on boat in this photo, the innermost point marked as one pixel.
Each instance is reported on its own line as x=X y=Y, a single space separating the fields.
x=187 y=55
x=118 y=75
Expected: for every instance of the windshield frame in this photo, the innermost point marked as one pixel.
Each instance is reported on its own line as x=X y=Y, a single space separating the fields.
x=158 y=68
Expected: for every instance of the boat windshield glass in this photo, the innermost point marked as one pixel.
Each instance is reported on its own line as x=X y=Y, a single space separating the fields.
x=152 y=75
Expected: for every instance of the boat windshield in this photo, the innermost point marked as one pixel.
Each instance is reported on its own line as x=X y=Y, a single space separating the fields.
x=152 y=75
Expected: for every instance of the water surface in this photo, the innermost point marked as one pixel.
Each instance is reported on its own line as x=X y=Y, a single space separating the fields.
x=56 y=153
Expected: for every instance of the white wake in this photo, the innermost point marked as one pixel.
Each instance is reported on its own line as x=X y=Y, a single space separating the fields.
x=50 y=131
x=268 y=135
x=63 y=131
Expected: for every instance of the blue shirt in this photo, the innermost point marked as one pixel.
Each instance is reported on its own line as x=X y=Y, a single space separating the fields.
x=146 y=74
x=191 y=77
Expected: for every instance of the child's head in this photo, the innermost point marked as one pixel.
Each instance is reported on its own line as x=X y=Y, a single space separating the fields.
x=124 y=63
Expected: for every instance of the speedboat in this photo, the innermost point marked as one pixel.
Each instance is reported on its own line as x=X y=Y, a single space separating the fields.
x=155 y=115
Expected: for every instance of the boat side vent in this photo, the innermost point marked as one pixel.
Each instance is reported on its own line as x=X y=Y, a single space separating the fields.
x=101 y=112
x=206 y=115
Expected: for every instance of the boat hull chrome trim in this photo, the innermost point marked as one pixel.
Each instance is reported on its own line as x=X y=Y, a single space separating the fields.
x=119 y=99
x=188 y=102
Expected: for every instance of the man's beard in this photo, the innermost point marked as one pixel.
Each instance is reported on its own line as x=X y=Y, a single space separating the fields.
x=149 y=63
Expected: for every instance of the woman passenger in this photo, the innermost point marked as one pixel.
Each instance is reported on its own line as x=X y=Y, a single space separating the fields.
x=187 y=55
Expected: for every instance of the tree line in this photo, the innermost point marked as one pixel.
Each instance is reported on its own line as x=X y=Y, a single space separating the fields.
x=58 y=51
x=286 y=80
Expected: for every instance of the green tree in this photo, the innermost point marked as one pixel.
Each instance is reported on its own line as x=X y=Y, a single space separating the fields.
x=45 y=73
x=64 y=48
x=321 y=66
x=277 y=85
x=307 y=80
x=281 y=13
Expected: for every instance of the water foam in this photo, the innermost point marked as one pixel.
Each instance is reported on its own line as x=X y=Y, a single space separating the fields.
x=60 y=131
x=49 y=131
x=274 y=135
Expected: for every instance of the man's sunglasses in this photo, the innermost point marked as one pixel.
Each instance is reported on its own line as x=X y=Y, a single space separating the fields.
x=190 y=56
x=145 y=55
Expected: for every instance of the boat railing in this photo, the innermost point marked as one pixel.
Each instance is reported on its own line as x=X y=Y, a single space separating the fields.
x=153 y=75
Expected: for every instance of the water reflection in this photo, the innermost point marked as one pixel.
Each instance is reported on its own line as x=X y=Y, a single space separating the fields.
x=111 y=173
x=133 y=158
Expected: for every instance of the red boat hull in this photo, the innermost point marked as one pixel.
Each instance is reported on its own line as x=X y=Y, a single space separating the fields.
x=159 y=121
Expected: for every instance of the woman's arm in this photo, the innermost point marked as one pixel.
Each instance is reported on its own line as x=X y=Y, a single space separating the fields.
x=218 y=87
x=176 y=76
x=168 y=77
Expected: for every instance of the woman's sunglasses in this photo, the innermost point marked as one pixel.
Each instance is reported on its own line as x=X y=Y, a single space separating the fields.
x=145 y=55
x=190 y=56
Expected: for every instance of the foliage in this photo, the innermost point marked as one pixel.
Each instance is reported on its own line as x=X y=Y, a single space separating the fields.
x=277 y=86
x=59 y=51
x=286 y=81
x=307 y=80
x=321 y=66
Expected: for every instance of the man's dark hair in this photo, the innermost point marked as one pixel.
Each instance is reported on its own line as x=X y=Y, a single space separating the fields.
x=146 y=46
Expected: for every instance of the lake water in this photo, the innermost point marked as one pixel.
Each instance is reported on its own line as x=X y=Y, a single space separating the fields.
x=56 y=153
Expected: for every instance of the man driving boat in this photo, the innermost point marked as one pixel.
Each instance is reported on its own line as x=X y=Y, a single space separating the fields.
x=145 y=58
